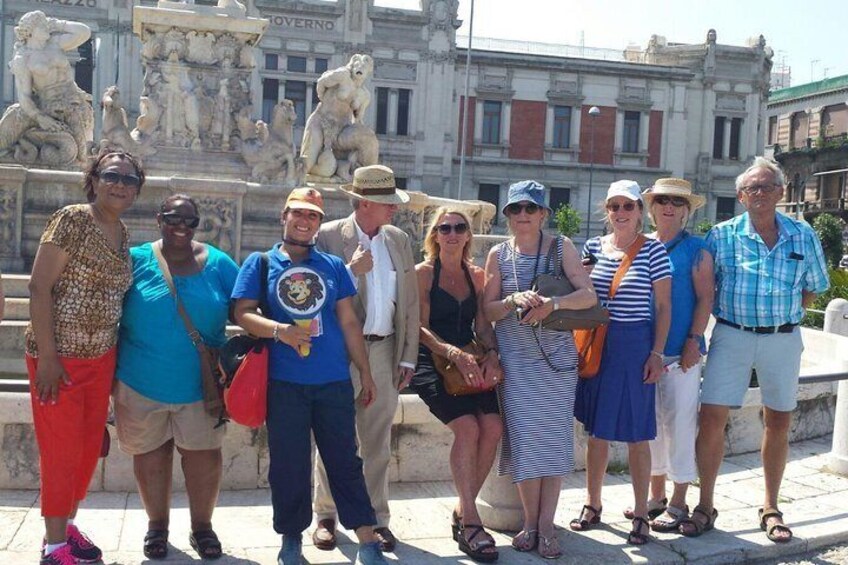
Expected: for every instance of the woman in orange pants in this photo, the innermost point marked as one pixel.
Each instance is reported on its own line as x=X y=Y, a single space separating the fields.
x=82 y=270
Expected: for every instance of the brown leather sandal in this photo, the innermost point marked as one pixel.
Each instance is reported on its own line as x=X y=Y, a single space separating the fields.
x=765 y=514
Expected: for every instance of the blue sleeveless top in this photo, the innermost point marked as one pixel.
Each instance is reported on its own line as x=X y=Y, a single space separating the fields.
x=683 y=251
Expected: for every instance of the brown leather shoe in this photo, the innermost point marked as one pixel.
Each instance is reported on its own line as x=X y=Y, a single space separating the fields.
x=324 y=536
x=387 y=539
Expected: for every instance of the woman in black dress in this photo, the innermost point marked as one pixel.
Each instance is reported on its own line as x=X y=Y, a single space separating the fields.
x=451 y=288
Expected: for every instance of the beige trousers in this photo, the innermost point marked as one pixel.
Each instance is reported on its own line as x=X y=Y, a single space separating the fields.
x=373 y=432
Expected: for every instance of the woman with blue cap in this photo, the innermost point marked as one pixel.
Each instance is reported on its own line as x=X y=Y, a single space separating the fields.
x=540 y=366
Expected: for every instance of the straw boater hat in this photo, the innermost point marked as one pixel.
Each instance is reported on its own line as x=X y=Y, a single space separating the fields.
x=674 y=187
x=377 y=184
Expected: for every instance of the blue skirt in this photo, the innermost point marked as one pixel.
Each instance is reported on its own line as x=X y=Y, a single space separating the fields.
x=616 y=405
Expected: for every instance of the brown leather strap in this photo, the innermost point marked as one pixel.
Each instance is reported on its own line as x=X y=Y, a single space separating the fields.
x=193 y=334
x=629 y=256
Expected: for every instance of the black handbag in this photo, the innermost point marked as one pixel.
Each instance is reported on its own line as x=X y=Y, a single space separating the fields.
x=558 y=284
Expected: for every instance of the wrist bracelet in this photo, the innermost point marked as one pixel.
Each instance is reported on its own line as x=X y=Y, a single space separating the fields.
x=694 y=336
x=276 y=333
x=658 y=354
x=556 y=302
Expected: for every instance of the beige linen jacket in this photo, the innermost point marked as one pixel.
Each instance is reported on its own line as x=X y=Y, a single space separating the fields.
x=339 y=238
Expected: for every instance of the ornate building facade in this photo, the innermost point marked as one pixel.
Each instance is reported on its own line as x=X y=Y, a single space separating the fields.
x=694 y=111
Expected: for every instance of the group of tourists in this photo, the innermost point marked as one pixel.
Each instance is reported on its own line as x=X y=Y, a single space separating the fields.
x=351 y=320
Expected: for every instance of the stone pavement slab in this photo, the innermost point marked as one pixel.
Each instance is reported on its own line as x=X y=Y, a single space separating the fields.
x=815 y=503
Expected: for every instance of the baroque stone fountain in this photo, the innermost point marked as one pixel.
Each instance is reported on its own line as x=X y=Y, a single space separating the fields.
x=196 y=132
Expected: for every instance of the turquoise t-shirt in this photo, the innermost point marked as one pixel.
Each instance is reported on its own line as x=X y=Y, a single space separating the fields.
x=155 y=355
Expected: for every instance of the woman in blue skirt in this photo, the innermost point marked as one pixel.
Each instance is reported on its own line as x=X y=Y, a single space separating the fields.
x=618 y=404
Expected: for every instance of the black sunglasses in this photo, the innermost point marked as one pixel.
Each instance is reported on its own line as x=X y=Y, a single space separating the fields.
x=675 y=201
x=628 y=207
x=175 y=219
x=516 y=208
x=111 y=177
x=458 y=229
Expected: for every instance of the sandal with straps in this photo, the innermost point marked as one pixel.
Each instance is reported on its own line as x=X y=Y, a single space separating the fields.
x=456 y=525
x=156 y=544
x=670 y=520
x=655 y=508
x=765 y=514
x=636 y=537
x=525 y=540
x=581 y=524
x=549 y=547
x=477 y=550
x=206 y=544
x=698 y=528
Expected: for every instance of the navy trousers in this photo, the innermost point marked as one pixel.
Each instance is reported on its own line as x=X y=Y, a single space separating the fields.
x=295 y=413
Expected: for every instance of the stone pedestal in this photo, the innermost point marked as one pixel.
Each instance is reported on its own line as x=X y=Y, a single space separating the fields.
x=196 y=99
x=836 y=321
x=11 y=213
x=498 y=504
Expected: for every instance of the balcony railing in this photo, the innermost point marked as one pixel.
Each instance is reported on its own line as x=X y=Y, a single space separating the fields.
x=814 y=206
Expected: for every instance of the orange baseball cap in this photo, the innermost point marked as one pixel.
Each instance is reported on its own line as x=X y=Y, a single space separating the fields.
x=305 y=199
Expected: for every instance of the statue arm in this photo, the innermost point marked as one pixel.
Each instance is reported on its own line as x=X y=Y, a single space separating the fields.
x=360 y=104
x=330 y=79
x=69 y=34
x=23 y=85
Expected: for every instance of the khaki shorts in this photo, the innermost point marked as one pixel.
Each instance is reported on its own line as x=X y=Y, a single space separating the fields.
x=144 y=424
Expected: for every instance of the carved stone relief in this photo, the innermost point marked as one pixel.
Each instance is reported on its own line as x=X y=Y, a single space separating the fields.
x=269 y=149
x=443 y=16
x=8 y=220
x=218 y=224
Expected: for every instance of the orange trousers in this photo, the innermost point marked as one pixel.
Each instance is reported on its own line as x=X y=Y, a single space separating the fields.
x=70 y=432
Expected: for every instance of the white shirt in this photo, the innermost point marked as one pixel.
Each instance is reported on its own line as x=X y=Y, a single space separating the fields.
x=382 y=286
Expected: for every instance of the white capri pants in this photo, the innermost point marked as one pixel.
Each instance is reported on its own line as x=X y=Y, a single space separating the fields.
x=673 y=452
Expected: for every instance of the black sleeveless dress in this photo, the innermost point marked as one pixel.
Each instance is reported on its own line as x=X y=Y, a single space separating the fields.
x=453 y=321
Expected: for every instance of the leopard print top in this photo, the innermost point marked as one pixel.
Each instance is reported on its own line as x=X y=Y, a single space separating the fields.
x=88 y=295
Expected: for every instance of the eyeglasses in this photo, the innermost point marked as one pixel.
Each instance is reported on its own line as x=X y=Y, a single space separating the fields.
x=175 y=219
x=675 y=201
x=764 y=188
x=111 y=177
x=628 y=207
x=458 y=229
x=516 y=208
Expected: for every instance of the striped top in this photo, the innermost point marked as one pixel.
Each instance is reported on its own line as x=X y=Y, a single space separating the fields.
x=758 y=286
x=633 y=299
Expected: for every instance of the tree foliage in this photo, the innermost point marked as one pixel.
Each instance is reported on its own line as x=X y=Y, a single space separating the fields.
x=567 y=220
x=829 y=229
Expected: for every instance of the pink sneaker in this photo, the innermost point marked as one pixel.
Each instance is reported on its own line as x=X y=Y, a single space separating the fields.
x=81 y=547
x=61 y=556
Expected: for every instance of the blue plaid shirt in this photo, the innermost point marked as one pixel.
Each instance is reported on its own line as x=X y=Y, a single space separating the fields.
x=758 y=286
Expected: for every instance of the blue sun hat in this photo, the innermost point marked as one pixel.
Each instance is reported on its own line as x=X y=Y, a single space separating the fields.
x=526 y=191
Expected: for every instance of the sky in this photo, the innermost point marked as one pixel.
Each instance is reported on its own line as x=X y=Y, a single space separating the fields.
x=809 y=37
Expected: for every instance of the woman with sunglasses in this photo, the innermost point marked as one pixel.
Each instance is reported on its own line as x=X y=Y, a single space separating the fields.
x=79 y=277
x=670 y=203
x=159 y=396
x=618 y=403
x=451 y=292
x=540 y=366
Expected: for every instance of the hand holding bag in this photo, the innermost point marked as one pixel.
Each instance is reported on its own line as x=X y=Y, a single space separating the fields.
x=212 y=398
x=590 y=342
x=452 y=377
x=549 y=286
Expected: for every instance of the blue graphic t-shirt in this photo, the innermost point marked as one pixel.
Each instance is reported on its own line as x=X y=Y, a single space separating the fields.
x=308 y=292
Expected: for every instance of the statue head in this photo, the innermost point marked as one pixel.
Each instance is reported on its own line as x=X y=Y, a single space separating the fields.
x=30 y=24
x=361 y=66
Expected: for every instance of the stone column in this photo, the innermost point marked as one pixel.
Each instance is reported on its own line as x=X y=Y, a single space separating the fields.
x=12 y=178
x=499 y=504
x=725 y=146
x=836 y=321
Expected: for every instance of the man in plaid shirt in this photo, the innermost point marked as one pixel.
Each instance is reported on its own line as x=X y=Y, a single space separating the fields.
x=768 y=268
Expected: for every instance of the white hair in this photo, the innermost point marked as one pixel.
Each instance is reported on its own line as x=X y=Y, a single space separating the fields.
x=762 y=163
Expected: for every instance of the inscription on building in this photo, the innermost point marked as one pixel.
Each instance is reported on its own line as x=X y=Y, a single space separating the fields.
x=296 y=22
x=81 y=3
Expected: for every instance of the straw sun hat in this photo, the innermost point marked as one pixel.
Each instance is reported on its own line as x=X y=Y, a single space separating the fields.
x=674 y=187
x=377 y=184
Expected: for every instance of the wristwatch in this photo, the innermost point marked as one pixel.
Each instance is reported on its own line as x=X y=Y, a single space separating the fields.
x=556 y=303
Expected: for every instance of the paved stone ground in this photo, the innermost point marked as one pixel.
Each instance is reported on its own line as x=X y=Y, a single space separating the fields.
x=815 y=503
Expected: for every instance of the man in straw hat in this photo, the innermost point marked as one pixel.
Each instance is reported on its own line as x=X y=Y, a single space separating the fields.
x=768 y=268
x=380 y=259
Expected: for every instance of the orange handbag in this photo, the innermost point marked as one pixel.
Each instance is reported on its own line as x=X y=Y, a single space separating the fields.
x=590 y=342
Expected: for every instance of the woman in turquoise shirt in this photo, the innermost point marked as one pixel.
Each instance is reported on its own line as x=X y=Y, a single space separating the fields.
x=159 y=394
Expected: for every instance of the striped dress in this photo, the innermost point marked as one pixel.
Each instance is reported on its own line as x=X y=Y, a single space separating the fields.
x=537 y=402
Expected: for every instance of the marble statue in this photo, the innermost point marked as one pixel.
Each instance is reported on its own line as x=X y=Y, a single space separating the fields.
x=53 y=122
x=115 y=130
x=269 y=150
x=335 y=141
